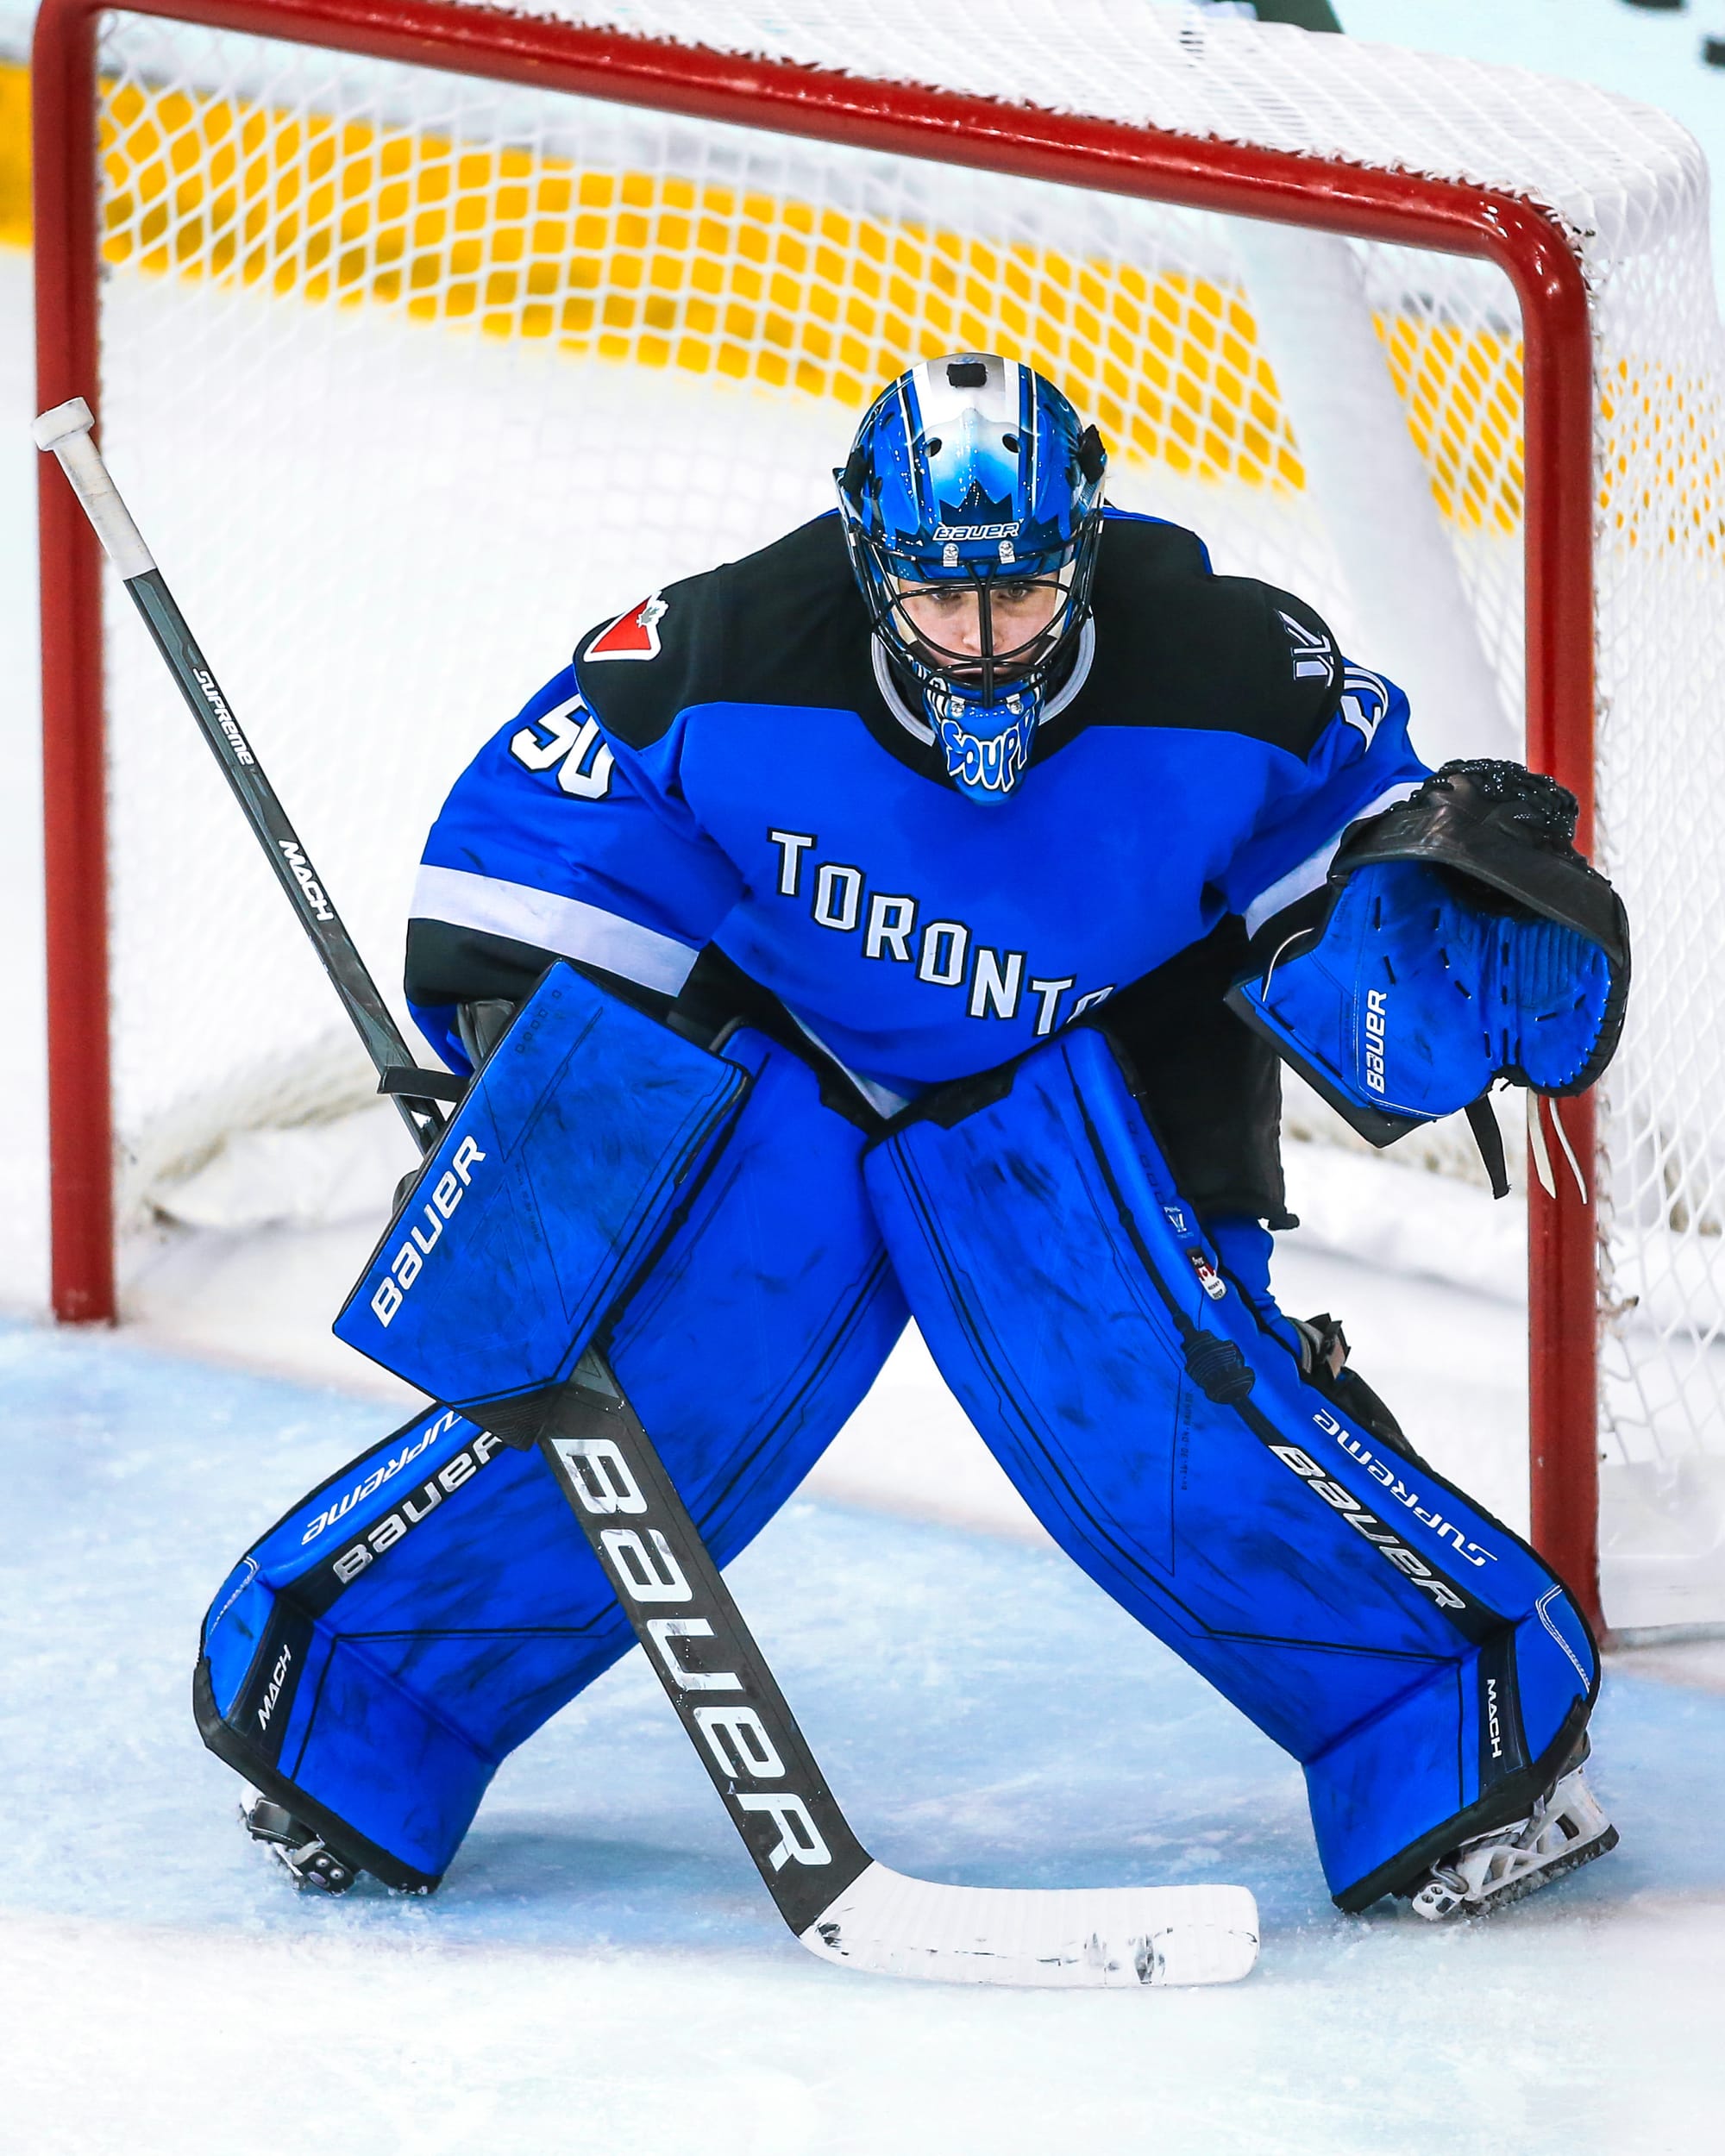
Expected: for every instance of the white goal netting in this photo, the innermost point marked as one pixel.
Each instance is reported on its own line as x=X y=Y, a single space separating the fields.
x=409 y=377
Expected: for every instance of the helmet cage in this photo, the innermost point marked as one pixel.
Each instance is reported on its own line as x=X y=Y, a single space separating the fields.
x=891 y=576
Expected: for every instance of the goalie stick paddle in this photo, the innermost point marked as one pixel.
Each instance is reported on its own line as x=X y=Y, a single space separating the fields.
x=840 y=1903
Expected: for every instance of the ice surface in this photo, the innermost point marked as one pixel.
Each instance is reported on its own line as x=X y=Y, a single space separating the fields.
x=601 y=1971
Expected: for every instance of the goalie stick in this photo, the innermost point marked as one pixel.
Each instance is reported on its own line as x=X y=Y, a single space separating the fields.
x=840 y=1903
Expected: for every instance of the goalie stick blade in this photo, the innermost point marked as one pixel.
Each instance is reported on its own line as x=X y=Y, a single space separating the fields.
x=1097 y=1938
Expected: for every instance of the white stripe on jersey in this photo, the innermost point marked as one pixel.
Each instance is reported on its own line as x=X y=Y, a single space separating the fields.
x=570 y=927
x=1307 y=874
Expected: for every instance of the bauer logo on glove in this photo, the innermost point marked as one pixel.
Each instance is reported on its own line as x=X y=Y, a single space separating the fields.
x=1459 y=938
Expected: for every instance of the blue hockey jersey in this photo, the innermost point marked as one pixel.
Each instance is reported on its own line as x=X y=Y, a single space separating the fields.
x=732 y=763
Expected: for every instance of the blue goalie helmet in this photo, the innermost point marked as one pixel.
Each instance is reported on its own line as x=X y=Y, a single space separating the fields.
x=972 y=501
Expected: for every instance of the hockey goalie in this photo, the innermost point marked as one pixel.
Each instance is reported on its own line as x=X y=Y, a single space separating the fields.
x=996 y=850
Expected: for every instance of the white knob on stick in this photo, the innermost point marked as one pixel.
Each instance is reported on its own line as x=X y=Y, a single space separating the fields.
x=65 y=431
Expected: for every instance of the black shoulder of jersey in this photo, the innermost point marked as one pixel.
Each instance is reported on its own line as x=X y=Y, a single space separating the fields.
x=785 y=625
x=1177 y=645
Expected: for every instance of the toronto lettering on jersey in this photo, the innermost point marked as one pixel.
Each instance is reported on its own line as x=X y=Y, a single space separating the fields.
x=893 y=929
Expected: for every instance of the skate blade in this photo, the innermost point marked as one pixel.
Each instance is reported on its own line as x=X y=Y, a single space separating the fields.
x=1534 y=1883
x=308 y=1860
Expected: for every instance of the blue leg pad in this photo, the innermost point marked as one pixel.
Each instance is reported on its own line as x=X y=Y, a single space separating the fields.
x=556 y=1177
x=1166 y=1439
x=437 y=1601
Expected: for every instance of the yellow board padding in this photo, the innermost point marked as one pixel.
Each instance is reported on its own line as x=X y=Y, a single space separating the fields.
x=658 y=270
x=14 y=155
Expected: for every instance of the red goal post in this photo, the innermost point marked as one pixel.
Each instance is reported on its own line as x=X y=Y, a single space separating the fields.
x=1203 y=172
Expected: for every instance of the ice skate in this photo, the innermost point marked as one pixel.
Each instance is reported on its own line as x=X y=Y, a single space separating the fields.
x=1565 y=1829
x=311 y=1863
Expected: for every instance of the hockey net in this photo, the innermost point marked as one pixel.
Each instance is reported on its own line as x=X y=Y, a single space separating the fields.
x=410 y=371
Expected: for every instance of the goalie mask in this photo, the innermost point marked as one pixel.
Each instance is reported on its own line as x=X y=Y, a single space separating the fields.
x=972 y=501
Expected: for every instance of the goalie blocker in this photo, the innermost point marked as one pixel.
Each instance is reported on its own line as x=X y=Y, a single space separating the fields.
x=371 y=1661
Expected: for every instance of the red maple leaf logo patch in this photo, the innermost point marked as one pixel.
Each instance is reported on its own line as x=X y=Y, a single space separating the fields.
x=631 y=636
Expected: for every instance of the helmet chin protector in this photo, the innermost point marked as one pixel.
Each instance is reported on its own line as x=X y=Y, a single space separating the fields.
x=973 y=495
x=987 y=746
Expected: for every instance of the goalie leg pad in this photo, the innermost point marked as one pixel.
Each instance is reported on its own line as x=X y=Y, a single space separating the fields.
x=379 y=1652
x=1417 y=1658
x=587 y=1127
